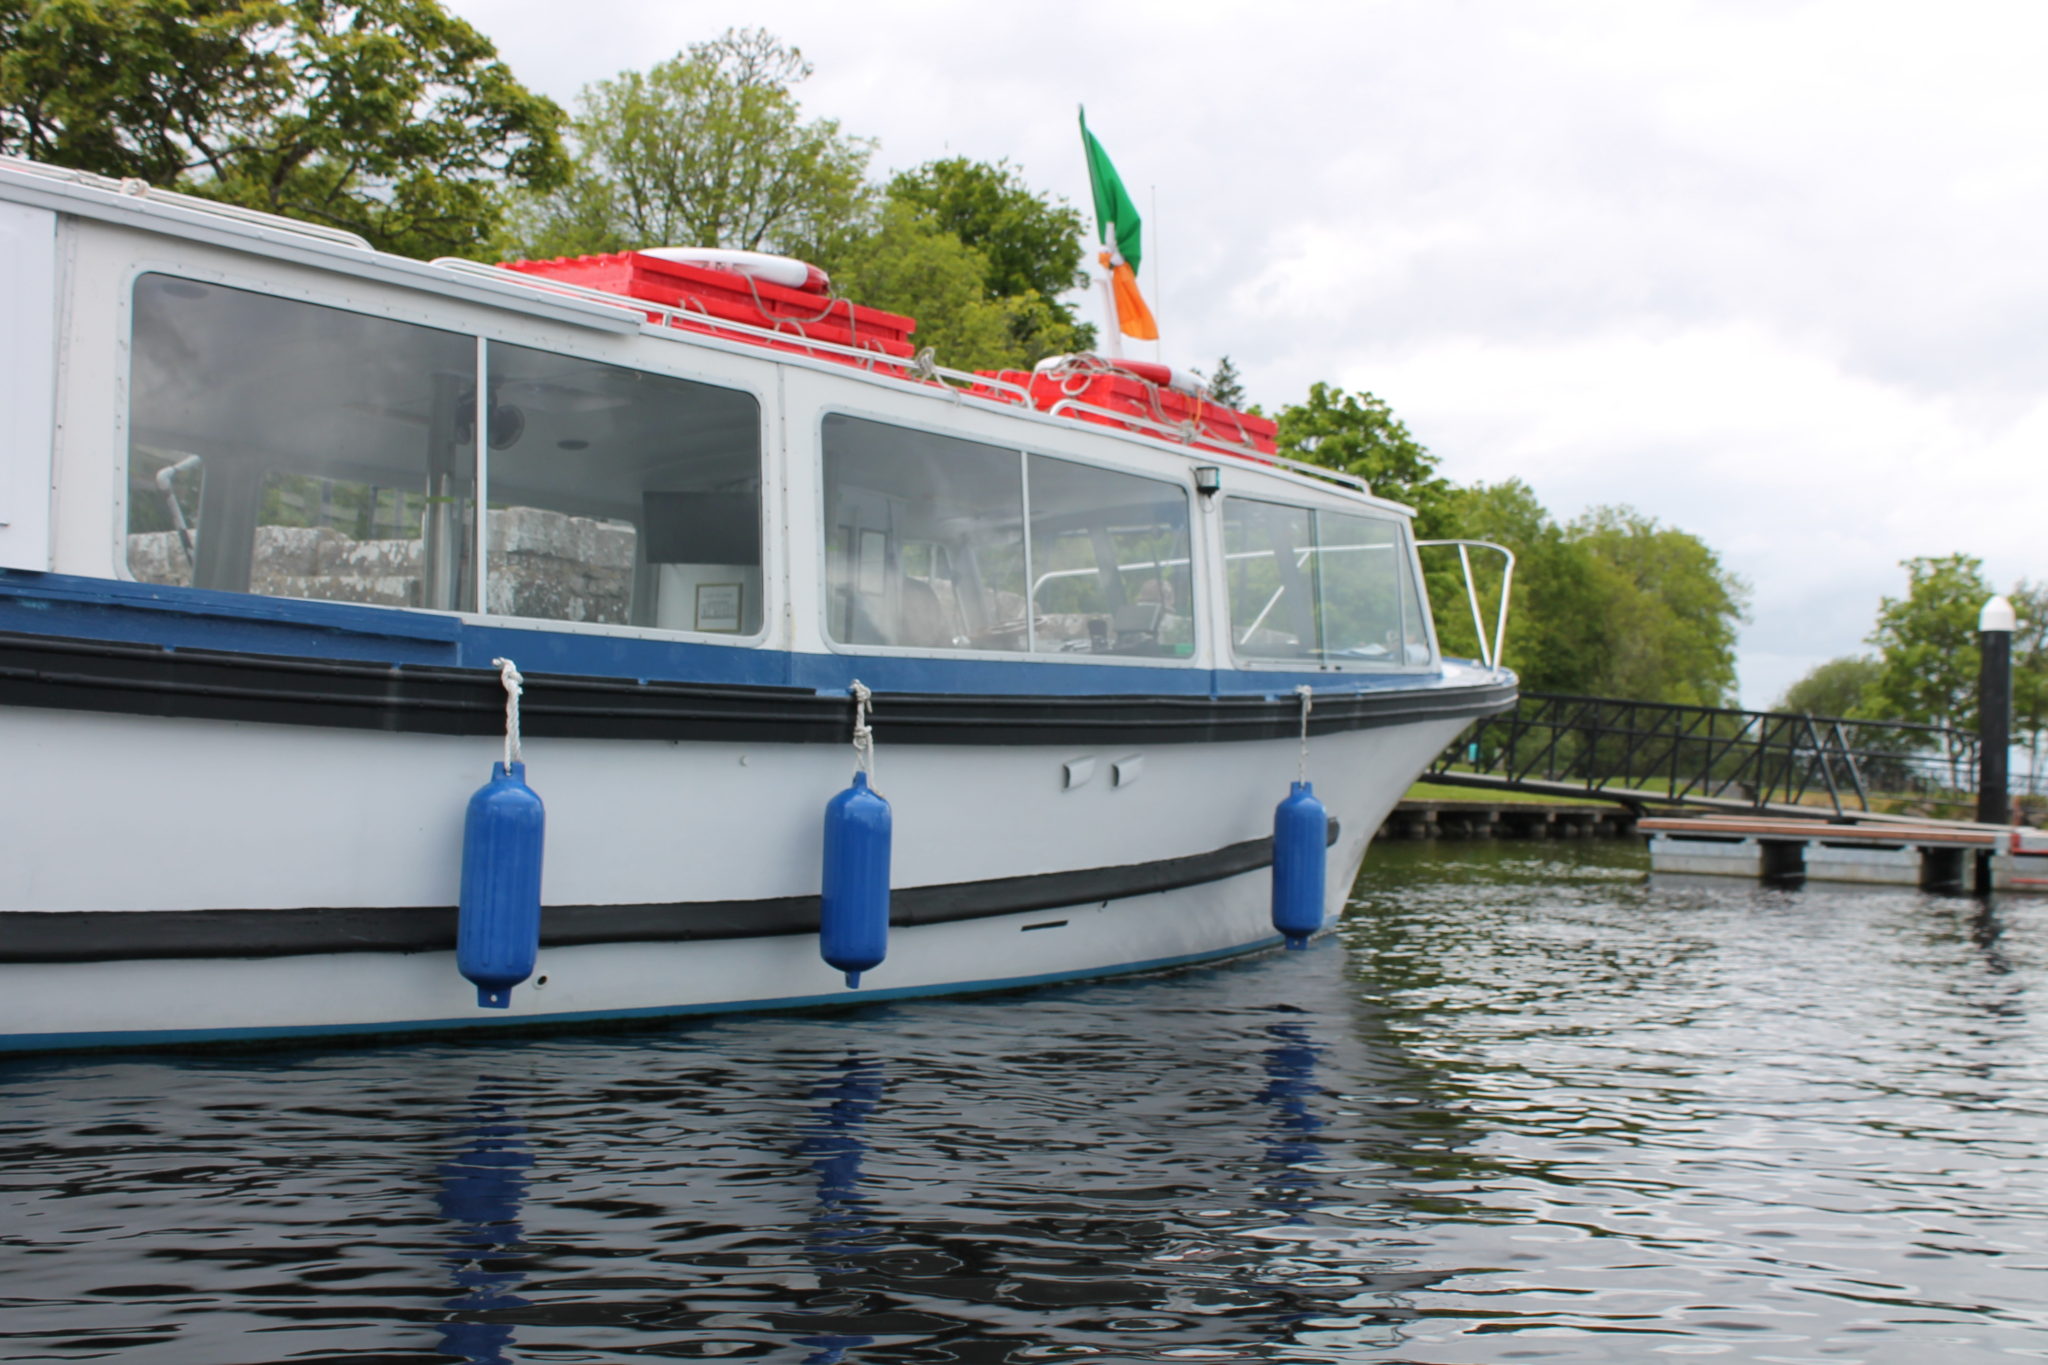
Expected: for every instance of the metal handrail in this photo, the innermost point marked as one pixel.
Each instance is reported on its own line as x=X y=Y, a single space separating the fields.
x=1183 y=434
x=914 y=367
x=959 y=382
x=1675 y=752
x=1490 y=657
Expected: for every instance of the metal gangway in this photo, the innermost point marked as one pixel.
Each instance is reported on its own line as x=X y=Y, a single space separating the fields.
x=1645 y=754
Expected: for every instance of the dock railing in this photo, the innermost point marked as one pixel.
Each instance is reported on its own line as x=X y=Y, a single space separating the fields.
x=1655 y=753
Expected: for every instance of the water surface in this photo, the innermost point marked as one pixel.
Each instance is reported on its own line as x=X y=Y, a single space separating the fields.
x=1528 y=1106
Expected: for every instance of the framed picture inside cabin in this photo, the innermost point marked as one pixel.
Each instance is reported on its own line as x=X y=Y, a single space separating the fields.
x=718 y=606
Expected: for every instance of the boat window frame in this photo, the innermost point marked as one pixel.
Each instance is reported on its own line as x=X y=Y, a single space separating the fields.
x=1405 y=553
x=458 y=318
x=821 y=547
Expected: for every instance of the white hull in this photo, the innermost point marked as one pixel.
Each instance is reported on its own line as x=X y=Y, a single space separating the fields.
x=237 y=816
x=215 y=999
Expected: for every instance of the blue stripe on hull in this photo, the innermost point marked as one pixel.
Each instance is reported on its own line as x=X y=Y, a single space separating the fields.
x=153 y=1038
x=243 y=623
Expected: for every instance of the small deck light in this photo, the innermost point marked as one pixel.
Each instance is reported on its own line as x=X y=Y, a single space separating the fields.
x=1208 y=478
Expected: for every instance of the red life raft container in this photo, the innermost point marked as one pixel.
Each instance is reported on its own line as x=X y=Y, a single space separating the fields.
x=1157 y=396
x=721 y=292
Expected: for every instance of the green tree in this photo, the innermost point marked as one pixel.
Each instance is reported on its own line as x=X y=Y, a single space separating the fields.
x=1835 y=688
x=1556 y=637
x=2030 y=676
x=390 y=118
x=1359 y=434
x=1612 y=605
x=909 y=264
x=1927 y=643
x=1669 y=609
x=1031 y=242
x=708 y=148
x=1225 y=385
x=1040 y=327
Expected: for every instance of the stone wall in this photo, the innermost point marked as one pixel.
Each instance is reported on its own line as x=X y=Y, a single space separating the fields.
x=560 y=568
x=543 y=564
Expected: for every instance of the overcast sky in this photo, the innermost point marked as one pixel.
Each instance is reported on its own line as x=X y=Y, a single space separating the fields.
x=1769 y=272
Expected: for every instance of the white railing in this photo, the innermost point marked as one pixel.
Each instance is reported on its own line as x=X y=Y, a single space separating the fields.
x=1187 y=433
x=921 y=367
x=1488 y=655
x=918 y=367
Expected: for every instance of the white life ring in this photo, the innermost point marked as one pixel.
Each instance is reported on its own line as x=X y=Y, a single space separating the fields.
x=786 y=271
x=1152 y=372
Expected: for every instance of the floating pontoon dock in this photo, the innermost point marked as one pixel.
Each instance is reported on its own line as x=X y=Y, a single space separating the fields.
x=1935 y=855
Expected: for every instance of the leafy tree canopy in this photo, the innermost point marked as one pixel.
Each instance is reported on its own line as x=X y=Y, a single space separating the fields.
x=1359 y=434
x=708 y=148
x=1032 y=242
x=1556 y=637
x=1927 y=643
x=909 y=264
x=391 y=118
x=711 y=149
x=2030 y=672
x=1226 y=386
x=1612 y=605
x=1835 y=688
x=1670 y=610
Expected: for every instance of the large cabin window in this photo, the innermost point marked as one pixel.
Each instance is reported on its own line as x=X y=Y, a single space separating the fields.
x=1109 y=562
x=296 y=450
x=924 y=539
x=619 y=496
x=1317 y=585
x=932 y=542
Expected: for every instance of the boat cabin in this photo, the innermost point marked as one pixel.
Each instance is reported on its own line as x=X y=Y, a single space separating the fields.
x=297 y=417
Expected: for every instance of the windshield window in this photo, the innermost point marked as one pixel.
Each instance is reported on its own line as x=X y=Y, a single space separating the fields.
x=1334 y=587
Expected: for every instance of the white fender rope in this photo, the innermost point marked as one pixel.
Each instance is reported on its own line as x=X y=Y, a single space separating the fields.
x=863 y=733
x=1307 y=695
x=514 y=683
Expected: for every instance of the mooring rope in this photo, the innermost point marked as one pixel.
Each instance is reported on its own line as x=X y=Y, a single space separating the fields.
x=514 y=683
x=1307 y=695
x=863 y=733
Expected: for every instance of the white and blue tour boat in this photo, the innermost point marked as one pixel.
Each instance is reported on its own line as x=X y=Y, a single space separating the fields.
x=299 y=542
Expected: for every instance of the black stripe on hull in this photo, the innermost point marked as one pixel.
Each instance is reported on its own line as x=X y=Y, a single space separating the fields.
x=139 y=679
x=127 y=935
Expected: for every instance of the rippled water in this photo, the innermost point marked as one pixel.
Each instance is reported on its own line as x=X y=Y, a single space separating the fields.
x=1530 y=1107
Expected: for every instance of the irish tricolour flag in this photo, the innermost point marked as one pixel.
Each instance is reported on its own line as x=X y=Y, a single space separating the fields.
x=1117 y=227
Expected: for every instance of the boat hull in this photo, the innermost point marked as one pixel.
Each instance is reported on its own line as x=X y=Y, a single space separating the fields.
x=176 y=880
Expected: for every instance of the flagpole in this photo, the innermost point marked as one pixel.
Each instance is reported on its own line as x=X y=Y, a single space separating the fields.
x=1158 y=289
x=1110 y=329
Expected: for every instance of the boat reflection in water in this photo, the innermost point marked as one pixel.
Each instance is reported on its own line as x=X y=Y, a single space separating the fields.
x=1291 y=1144
x=834 y=1145
x=482 y=1193
x=1527 y=1109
